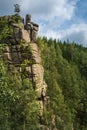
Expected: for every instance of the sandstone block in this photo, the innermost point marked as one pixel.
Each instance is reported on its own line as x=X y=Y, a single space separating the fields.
x=36 y=54
x=25 y=35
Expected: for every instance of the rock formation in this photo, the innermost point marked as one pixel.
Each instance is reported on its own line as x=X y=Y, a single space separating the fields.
x=23 y=39
x=32 y=28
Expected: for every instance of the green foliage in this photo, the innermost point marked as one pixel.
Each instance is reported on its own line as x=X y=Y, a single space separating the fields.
x=18 y=105
x=66 y=76
x=16 y=19
x=5 y=30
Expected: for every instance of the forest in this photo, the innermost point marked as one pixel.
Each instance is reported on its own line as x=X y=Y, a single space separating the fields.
x=65 y=72
x=65 y=66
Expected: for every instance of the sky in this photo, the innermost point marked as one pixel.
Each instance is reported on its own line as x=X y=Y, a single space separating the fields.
x=57 y=19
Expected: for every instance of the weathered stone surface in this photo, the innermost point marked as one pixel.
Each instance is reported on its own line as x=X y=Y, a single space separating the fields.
x=16 y=35
x=34 y=24
x=16 y=58
x=35 y=27
x=28 y=18
x=15 y=48
x=12 y=48
x=25 y=35
x=15 y=25
x=36 y=54
x=12 y=53
x=44 y=85
x=38 y=71
x=34 y=35
x=32 y=28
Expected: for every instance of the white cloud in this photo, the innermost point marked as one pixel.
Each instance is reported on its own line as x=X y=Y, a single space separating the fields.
x=49 y=9
x=77 y=33
x=51 y=15
x=52 y=12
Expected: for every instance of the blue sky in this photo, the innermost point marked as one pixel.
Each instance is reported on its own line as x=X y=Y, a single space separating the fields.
x=60 y=19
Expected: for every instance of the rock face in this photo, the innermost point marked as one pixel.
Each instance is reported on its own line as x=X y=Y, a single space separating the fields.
x=36 y=54
x=32 y=28
x=25 y=35
x=24 y=40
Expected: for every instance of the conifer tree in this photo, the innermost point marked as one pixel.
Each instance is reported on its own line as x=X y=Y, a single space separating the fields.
x=17 y=8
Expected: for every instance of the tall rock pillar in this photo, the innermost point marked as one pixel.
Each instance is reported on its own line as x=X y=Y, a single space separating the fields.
x=37 y=68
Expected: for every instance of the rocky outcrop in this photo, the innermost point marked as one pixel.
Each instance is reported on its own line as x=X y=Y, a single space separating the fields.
x=32 y=28
x=23 y=48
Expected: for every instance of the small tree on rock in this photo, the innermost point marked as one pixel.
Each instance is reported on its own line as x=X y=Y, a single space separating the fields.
x=17 y=8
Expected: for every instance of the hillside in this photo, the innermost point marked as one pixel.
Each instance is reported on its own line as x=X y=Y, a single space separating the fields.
x=65 y=67
x=30 y=66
